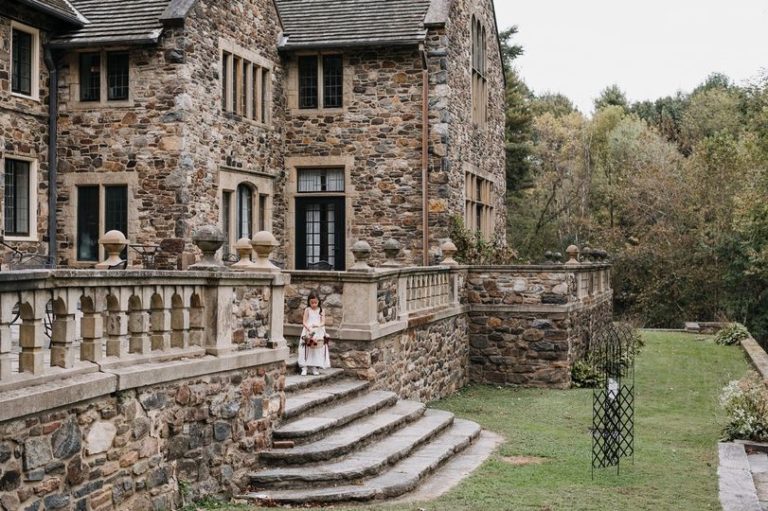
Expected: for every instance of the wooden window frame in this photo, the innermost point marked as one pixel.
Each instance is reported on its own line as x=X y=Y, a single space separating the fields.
x=320 y=81
x=34 y=77
x=245 y=85
x=479 y=212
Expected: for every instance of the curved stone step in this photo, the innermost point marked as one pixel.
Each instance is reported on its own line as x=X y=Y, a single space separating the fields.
x=404 y=476
x=368 y=461
x=299 y=402
x=296 y=382
x=335 y=416
x=346 y=439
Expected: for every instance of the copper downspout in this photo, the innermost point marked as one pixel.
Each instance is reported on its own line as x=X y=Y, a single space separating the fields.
x=425 y=158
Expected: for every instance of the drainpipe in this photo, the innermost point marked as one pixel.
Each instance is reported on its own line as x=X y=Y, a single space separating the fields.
x=425 y=156
x=53 y=108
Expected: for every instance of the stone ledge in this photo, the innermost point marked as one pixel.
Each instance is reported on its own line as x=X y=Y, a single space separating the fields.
x=758 y=356
x=538 y=307
x=55 y=394
x=162 y=372
x=52 y=374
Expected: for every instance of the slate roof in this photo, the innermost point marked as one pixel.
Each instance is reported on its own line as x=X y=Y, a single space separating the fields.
x=60 y=9
x=345 y=23
x=115 y=22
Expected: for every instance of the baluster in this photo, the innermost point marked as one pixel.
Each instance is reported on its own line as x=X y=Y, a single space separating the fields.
x=180 y=320
x=31 y=338
x=63 y=328
x=160 y=322
x=92 y=325
x=196 y=319
x=138 y=325
x=117 y=322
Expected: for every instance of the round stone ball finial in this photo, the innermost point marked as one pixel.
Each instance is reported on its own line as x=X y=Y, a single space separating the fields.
x=587 y=253
x=449 y=250
x=114 y=242
x=573 y=254
x=244 y=250
x=208 y=239
x=361 y=251
x=263 y=242
x=391 y=249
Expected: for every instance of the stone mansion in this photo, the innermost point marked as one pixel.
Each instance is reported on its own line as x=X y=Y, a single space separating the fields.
x=322 y=121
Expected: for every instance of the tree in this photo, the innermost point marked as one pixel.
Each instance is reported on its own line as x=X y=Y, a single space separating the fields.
x=611 y=96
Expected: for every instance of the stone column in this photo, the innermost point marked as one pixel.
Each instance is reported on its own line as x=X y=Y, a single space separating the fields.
x=360 y=304
x=277 y=312
x=31 y=336
x=218 y=314
x=63 y=328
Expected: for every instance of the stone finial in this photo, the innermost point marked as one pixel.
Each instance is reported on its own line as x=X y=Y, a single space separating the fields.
x=449 y=250
x=587 y=254
x=113 y=242
x=244 y=250
x=263 y=243
x=361 y=250
x=391 y=250
x=573 y=254
x=548 y=257
x=557 y=258
x=208 y=239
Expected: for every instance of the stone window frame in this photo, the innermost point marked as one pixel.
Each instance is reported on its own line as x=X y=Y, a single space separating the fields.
x=293 y=164
x=479 y=66
x=101 y=179
x=35 y=64
x=33 y=197
x=262 y=189
x=479 y=195
x=103 y=101
x=292 y=90
x=258 y=96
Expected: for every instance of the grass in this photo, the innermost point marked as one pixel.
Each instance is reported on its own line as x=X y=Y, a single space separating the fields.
x=677 y=424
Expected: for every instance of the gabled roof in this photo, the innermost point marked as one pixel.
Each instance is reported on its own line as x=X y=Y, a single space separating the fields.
x=60 y=9
x=345 y=23
x=115 y=22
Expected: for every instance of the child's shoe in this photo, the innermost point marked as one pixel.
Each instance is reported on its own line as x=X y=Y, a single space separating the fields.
x=315 y=372
x=304 y=371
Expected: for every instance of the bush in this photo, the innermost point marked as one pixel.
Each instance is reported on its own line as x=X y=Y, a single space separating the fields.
x=746 y=403
x=732 y=334
x=471 y=248
x=590 y=373
x=585 y=374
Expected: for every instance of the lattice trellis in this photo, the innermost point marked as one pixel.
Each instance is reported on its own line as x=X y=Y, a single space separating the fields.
x=612 y=351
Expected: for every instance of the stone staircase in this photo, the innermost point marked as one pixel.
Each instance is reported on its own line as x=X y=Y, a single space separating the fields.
x=344 y=442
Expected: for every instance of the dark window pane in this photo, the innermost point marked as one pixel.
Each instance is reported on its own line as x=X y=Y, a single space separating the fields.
x=226 y=62
x=117 y=76
x=244 y=212
x=332 y=81
x=226 y=205
x=308 y=82
x=88 y=223
x=262 y=212
x=90 y=77
x=244 y=89
x=321 y=180
x=16 y=198
x=116 y=211
x=236 y=70
x=264 y=95
x=21 y=80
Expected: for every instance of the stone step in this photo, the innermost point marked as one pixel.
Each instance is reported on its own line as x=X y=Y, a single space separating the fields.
x=299 y=402
x=309 y=427
x=404 y=476
x=363 y=463
x=296 y=382
x=347 y=438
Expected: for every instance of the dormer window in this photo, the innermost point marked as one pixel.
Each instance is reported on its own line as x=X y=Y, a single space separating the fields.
x=95 y=85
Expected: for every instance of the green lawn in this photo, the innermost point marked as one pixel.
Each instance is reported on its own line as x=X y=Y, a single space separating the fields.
x=678 y=422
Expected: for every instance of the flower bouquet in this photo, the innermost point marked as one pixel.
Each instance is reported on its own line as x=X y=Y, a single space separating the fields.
x=315 y=337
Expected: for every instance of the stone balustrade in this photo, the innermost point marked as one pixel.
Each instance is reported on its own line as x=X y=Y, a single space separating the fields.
x=114 y=323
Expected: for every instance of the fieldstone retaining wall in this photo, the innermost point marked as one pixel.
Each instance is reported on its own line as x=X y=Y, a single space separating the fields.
x=138 y=449
x=528 y=328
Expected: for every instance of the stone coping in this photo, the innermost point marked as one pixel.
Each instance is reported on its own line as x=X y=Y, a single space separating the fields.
x=374 y=275
x=38 y=279
x=57 y=392
x=376 y=331
x=758 y=356
x=545 y=308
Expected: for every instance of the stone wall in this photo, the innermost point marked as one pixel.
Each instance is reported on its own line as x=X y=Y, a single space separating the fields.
x=387 y=300
x=251 y=316
x=528 y=327
x=138 y=448
x=331 y=293
x=424 y=362
x=24 y=122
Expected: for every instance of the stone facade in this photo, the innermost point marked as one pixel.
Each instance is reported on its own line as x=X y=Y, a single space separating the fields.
x=138 y=448
x=24 y=122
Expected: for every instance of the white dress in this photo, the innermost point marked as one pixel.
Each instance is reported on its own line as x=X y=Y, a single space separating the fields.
x=317 y=355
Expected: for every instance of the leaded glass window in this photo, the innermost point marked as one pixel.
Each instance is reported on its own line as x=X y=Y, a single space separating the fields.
x=117 y=75
x=90 y=77
x=244 y=212
x=321 y=180
x=332 y=81
x=308 y=81
x=17 y=197
x=21 y=67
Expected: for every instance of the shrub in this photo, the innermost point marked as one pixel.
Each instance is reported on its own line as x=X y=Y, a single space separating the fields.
x=590 y=372
x=732 y=334
x=471 y=248
x=746 y=403
x=585 y=374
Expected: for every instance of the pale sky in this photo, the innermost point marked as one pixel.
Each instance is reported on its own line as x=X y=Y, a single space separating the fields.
x=650 y=48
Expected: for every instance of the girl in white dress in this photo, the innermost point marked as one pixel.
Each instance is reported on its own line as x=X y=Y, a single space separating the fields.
x=313 y=345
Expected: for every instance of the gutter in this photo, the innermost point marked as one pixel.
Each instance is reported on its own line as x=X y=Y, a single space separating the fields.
x=53 y=110
x=424 y=156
